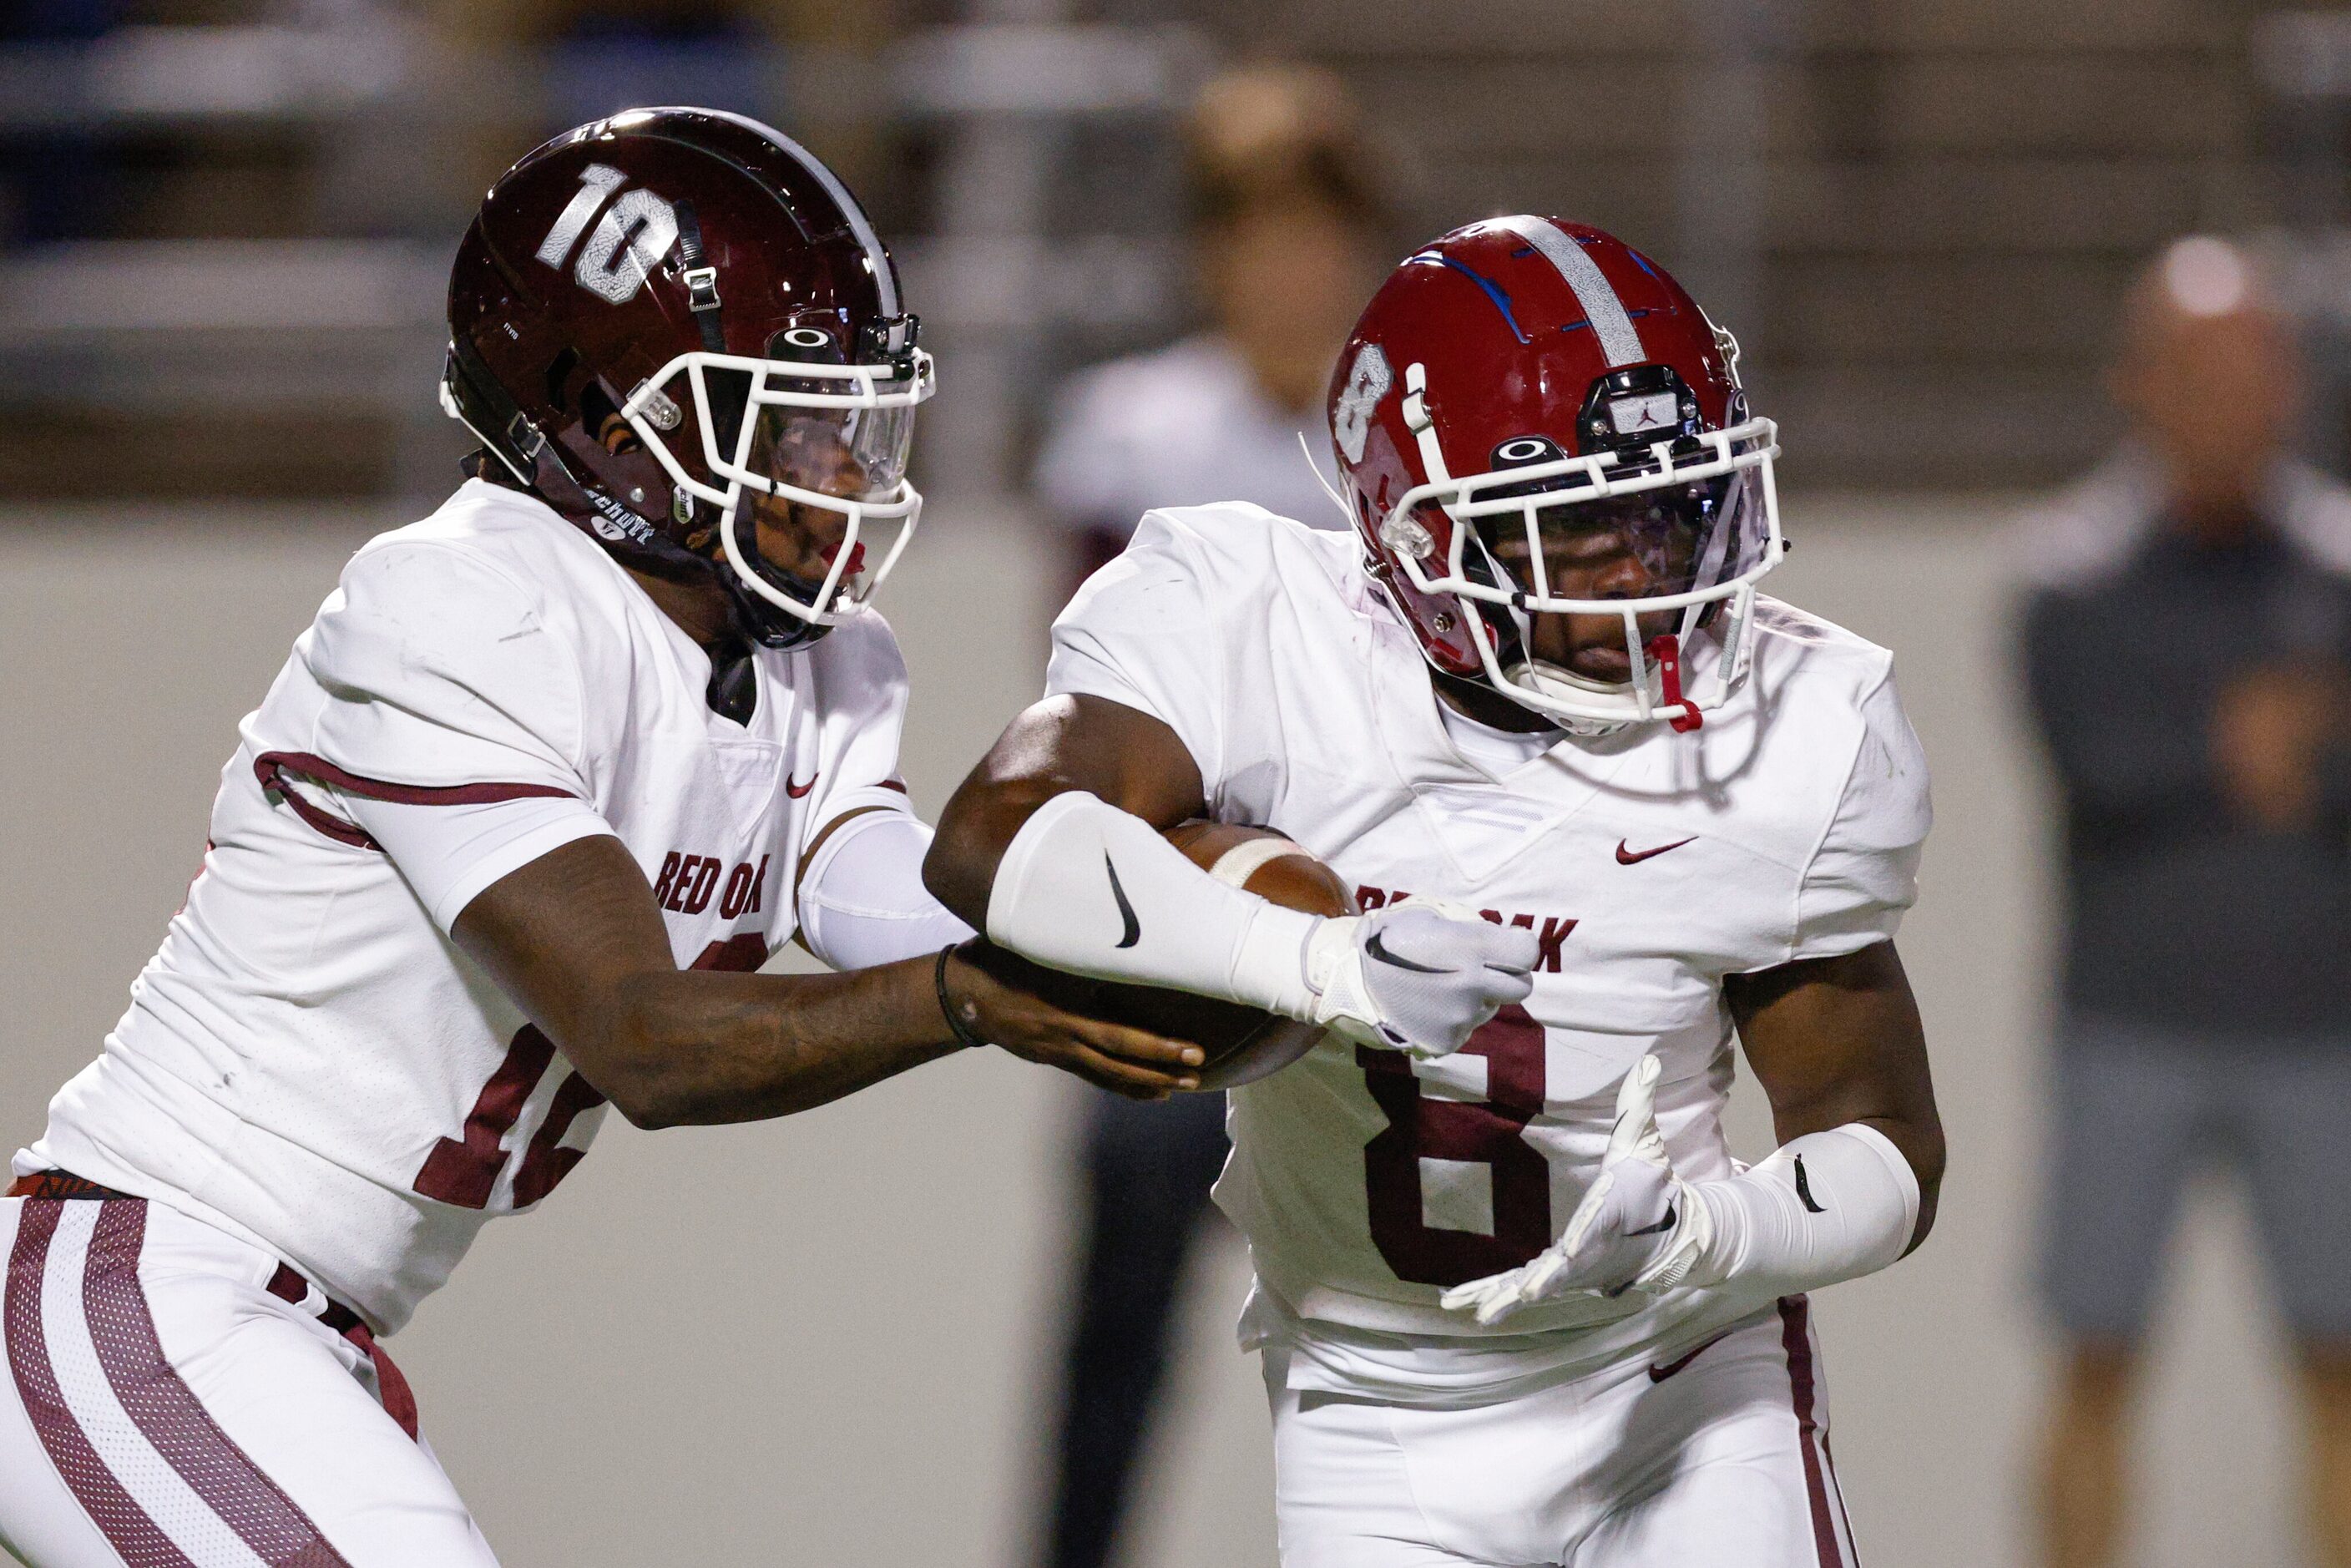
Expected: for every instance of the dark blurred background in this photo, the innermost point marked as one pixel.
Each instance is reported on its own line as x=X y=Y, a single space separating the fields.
x=224 y=219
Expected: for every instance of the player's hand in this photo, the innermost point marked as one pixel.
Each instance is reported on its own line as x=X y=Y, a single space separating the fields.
x=1638 y=1227
x=983 y=985
x=1418 y=976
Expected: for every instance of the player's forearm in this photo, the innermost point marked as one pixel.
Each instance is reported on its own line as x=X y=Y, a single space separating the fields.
x=693 y=1047
x=1113 y=752
x=979 y=823
x=1093 y=889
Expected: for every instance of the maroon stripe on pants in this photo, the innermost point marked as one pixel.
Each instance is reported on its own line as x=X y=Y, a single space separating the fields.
x=166 y=1410
x=1795 y=1318
x=122 y=1521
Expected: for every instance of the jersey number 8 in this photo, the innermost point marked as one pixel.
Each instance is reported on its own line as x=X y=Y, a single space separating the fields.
x=1422 y=1130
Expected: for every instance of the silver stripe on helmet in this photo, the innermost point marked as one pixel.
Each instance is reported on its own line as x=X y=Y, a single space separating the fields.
x=858 y=223
x=1610 y=324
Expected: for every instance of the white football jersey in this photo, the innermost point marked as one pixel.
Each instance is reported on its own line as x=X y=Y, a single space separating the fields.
x=308 y=1061
x=1649 y=864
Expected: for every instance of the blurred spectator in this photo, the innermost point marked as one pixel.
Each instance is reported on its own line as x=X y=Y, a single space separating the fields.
x=1286 y=232
x=2188 y=653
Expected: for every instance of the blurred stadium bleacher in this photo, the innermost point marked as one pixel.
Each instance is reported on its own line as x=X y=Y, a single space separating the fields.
x=225 y=222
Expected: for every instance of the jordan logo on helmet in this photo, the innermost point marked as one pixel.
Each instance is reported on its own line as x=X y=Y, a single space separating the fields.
x=636 y=231
x=1652 y=411
x=1367 y=382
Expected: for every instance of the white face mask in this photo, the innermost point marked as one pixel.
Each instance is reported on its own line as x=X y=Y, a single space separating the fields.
x=1704 y=548
x=835 y=438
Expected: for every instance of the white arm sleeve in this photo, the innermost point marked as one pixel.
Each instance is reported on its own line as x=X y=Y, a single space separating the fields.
x=1826 y=1206
x=862 y=901
x=1086 y=887
x=449 y=854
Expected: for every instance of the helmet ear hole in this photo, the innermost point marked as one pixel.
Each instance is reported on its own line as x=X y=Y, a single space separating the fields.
x=559 y=376
x=601 y=416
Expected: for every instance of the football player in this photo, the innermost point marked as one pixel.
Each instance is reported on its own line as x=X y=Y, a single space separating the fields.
x=1517 y=1302
x=552 y=771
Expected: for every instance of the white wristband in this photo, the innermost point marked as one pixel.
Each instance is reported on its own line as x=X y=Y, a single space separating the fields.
x=1826 y=1206
x=1086 y=887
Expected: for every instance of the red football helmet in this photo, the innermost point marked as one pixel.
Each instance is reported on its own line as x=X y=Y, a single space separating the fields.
x=1527 y=368
x=660 y=318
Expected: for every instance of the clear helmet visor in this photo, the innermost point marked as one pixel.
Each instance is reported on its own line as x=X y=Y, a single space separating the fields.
x=1658 y=543
x=847 y=453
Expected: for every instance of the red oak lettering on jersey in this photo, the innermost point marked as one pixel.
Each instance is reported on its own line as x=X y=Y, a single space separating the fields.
x=706 y=880
x=1551 y=939
x=744 y=886
x=686 y=883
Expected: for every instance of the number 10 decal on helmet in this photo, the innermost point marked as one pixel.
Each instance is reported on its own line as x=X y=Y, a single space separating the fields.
x=1548 y=456
x=678 y=328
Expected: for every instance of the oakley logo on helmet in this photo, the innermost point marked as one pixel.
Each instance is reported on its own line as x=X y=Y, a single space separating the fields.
x=1368 y=381
x=632 y=236
x=1522 y=450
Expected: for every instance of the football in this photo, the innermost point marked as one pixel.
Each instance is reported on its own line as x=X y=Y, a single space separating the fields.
x=1242 y=1043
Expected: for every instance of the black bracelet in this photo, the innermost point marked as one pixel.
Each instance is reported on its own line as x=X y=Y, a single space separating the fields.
x=947 y=1004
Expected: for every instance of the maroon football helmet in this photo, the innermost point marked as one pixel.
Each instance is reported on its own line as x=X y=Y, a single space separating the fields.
x=1529 y=370
x=659 y=321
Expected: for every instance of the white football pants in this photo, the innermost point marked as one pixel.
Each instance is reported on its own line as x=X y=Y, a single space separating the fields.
x=1719 y=1459
x=162 y=1409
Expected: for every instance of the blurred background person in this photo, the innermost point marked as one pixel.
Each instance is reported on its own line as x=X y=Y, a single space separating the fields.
x=2188 y=658
x=1285 y=228
x=1285 y=231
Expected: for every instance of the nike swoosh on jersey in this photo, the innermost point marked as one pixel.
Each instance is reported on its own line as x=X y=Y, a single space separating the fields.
x=797 y=791
x=1660 y=1227
x=1378 y=950
x=1126 y=910
x=1628 y=856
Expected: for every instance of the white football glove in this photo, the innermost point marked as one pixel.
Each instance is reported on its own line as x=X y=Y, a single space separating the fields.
x=1418 y=976
x=1639 y=1227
